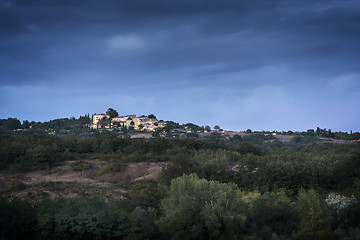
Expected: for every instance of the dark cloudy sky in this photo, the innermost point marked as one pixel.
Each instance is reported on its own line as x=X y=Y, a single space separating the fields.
x=259 y=64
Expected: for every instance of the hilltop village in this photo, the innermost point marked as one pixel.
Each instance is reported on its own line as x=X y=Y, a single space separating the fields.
x=148 y=123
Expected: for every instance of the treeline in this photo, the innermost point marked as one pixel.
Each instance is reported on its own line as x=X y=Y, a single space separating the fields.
x=39 y=152
x=80 y=126
x=74 y=219
x=324 y=167
x=326 y=133
x=63 y=126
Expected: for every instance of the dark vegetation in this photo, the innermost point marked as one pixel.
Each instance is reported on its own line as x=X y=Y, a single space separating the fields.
x=213 y=187
x=79 y=127
x=63 y=126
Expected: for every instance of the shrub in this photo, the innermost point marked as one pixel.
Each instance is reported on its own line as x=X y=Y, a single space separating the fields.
x=80 y=166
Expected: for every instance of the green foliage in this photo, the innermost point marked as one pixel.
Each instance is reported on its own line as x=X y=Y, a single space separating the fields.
x=259 y=139
x=325 y=166
x=181 y=163
x=339 y=135
x=152 y=116
x=112 y=113
x=313 y=211
x=146 y=194
x=170 y=125
x=247 y=147
x=344 y=211
x=62 y=126
x=201 y=209
x=8 y=125
x=347 y=168
x=193 y=127
x=212 y=165
x=303 y=140
x=80 y=166
x=90 y=219
x=112 y=167
x=273 y=211
x=105 y=121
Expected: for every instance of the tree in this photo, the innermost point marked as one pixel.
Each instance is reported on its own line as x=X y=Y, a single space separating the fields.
x=9 y=124
x=199 y=209
x=207 y=128
x=193 y=127
x=310 y=132
x=273 y=211
x=170 y=125
x=214 y=137
x=104 y=122
x=112 y=113
x=344 y=211
x=26 y=124
x=246 y=147
x=313 y=211
x=84 y=119
x=152 y=116
x=79 y=219
x=217 y=127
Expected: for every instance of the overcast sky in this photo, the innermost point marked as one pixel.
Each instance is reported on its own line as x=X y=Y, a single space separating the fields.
x=259 y=64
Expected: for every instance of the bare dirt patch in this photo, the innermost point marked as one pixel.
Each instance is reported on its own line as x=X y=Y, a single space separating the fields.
x=136 y=171
x=226 y=134
x=64 y=182
x=284 y=138
x=336 y=141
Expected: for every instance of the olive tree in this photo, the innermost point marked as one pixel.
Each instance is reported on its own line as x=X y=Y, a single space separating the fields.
x=314 y=214
x=199 y=209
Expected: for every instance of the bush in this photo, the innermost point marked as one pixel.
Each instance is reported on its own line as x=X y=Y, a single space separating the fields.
x=273 y=212
x=80 y=166
x=11 y=186
x=110 y=168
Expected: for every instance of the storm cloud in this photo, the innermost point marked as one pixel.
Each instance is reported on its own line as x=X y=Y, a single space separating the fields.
x=265 y=65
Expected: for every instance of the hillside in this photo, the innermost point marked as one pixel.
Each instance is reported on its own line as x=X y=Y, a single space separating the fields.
x=79 y=178
x=265 y=183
